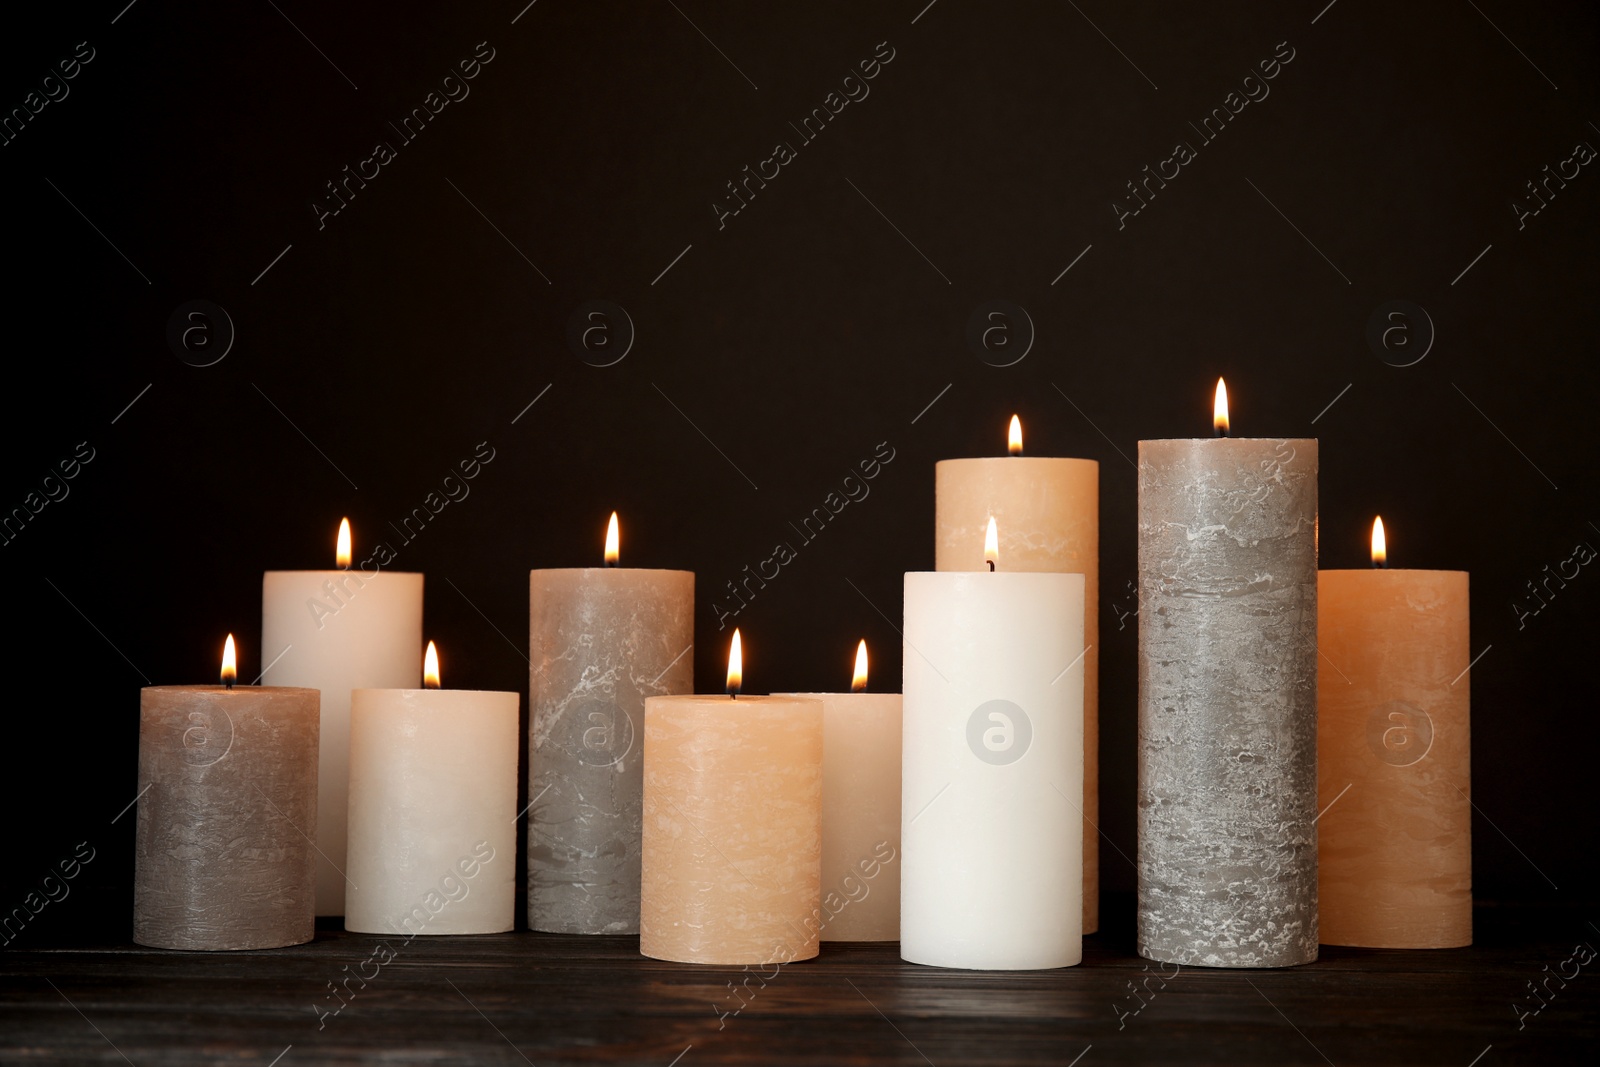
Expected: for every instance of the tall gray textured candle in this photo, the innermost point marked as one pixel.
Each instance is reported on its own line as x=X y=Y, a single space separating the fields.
x=1228 y=702
x=600 y=641
x=228 y=777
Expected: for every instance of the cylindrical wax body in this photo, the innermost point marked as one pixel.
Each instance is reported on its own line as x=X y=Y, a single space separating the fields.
x=1228 y=702
x=860 y=815
x=336 y=631
x=1394 y=768
x=732 y=860
x=993 y=769
x=433 y=811
x=223 y=857
x=601 y=640
x=1047 y=513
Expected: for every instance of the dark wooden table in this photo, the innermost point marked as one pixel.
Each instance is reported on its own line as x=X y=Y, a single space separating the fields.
x=545 y=999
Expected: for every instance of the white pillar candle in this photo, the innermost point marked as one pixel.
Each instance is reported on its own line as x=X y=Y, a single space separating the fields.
x=433 y=811
x=993 y=771
x=860 y=811
x=336 y=631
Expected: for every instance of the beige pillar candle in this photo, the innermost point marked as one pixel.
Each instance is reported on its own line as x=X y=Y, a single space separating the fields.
x=354 y=628
x=1048 y=513
x=601 y=640
x=433 y=810
x=860 y=811
x=732 y=863
x=1394 y=767
x=228 y=798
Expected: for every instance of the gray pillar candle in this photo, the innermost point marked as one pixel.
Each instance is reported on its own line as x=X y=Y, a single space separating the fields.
x=228 y=777
x=600 y=641
x=1228 y=702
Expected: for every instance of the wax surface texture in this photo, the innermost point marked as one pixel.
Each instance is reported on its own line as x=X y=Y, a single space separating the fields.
x=1395 y=840
x=732 y=862
x=222 y=855
x=601 y=640
x=1228 y=702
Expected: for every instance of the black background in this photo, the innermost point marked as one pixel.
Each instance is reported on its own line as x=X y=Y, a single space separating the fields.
x=380 y=349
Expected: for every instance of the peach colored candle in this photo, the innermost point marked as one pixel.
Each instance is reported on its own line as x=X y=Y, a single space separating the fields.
x=860 y=812
x=1394 y=771
x=732 y=837
x=1048 y=512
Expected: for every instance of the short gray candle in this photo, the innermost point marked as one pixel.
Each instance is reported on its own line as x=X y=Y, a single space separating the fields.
x=600 y=641
x=228 y=777
x=1228 y=702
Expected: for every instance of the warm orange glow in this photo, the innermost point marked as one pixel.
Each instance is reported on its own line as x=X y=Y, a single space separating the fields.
x=1219 y=409
x=430 y=668
x=991 y=545
x=1380 y=544
x=341 y=553
x=858 y=684
x=230 y=663
x=612 y=542
x=735 y=665
x=1014 y=439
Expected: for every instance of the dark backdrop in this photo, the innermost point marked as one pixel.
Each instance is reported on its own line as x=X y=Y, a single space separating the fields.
x=773 y=349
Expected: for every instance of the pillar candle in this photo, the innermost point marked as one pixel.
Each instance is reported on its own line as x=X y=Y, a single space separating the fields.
x=993 y=767
x=1395 y=837
x=336 y=631
x=433 y=810
x=732 y=841
x=223 y=857
x=1048 y=514
x=860 y=811
x=601 y=640
x=1228 y=702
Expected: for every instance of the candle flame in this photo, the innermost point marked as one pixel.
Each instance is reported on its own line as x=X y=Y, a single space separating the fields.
x=612 y=542
x=858 y=684
x=1380 y=544
x=1014 y=437
x=230 y=663
x=991 y=545
x=430 y=667
x=1219 y=409
x=341 y=552
x=735 y=665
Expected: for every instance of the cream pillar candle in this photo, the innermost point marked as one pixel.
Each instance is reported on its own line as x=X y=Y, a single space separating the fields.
x=860 y=811
x=601 y=640
x=228 y=796
x=1048 y=513
x=1394 y=766
x=336 y=631
x=732 y=839
x=1228 y=701
x=433 y=810
x=992 y=769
